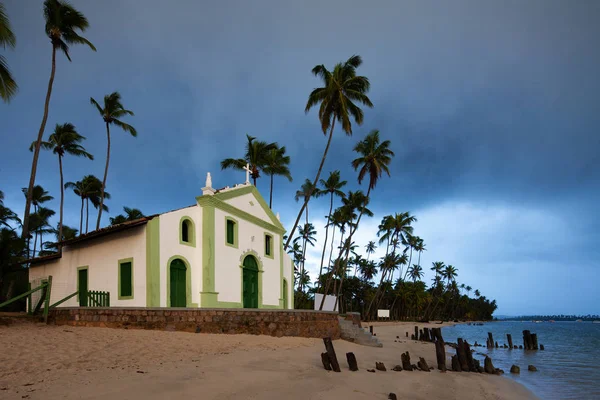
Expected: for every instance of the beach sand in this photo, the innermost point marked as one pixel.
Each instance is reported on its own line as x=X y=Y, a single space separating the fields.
x=62 y=362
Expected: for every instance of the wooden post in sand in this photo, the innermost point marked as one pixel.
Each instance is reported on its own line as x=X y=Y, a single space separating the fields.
x=490 y=340
x=440 y=350
x=462 y=355
x=527 y=340
x=352 y=361
x=416 y=332
x=371 y=329
x=534 y=342
x=509 y=338
x=469 y=355
x=406 y=365
x=325 y=361
x=331 y=354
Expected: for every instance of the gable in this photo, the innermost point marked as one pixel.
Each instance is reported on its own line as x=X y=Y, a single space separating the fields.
x=248 y=200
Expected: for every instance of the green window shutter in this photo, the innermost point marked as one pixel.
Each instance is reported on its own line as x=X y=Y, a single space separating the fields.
x=268 y=245
x=185 y=231
x=230 y=232
x=126 y=281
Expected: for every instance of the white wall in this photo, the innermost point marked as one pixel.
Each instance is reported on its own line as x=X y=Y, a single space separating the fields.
x=288 y=274
x=227 y=259
x=244 y=203
x=170 y=246
x=101 y=255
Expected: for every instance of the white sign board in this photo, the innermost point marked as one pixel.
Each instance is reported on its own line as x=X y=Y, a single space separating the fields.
x=383 y=313
x=329 y=302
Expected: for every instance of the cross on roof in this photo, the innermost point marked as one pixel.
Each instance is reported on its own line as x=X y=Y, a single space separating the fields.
x=247 y=169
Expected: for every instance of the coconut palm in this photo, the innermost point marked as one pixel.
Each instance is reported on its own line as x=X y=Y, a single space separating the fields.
x=307 y=235
x=88 y=189
x=112 y=111
x=40 y=225
x=306 y=191
x=449 y=273
x=370 y=248
x=39 y=196
x=341 y=89
x=6 y=214
x=68 y=233
x=468 y=289
x=131 y=214
x=276 y=163
x=415 y=272
x=477 y=293
x=332 y=186
x=62 y=23
x=64 y=140
x=256 y=156
x=8 y=86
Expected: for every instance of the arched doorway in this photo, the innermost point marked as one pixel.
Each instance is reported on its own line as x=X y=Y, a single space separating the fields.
x=285 y=294
x=250 y=282
x=177 y=272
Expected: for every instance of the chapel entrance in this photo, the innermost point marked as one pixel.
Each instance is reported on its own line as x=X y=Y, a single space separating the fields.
x=177 y=272
x=250 y=282
x=82 y=286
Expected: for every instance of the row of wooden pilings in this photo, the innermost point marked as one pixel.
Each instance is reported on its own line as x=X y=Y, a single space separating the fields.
x=530 y=342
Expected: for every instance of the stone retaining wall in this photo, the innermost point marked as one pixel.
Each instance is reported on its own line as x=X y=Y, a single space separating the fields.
x=302 y=323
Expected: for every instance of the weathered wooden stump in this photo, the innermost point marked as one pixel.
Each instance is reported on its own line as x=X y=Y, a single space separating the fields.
x=422 y=364
x=534 y=341
x=352 y=361
x=326 y=362
x=527 y=343
x=531 y=368
x=462 y=355
x=392 y=396
x=509 y=338
x=488 y=367
x=469 y=354
x=541 y=347
x=379 y=366
x=520 y=346
x=515 y=370
x=406 y=365
x=406 y=334
x=490 y=340
x=371 y=329
x=440 y=350
x=416 y=332
x=456 y=364
x=397 y=368
x=331 y=353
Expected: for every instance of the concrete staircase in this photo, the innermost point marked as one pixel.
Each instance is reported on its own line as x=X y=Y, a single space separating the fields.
x=354 y=333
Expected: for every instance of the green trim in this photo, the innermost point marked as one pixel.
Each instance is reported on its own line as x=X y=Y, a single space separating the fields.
x=236 y=227
x=281 y=297
x=191 y=232
x=261 y=270
x=188 y=280
x=284 y=287
x=208 y=296
x=119 y=262
x=272 y=248
x=153 y=263
x=216 y=202
x=251 y=189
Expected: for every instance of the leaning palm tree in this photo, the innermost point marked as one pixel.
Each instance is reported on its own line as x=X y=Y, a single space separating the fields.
x=131 y=214
x=341 y=88
x=332 y=186
x=256 y=155
x=306 y=191
x=64 y=140
x=8 y=86
x=276 y=163
x=62 y=22
x=112 y=111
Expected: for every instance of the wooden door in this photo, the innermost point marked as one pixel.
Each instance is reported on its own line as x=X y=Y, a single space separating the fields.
x=250 y=283
x=178 y=283
x=82 y=279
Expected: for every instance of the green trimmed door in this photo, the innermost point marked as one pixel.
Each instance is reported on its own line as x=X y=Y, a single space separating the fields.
x=82 y=279
x=177 y=272
x=250 y=282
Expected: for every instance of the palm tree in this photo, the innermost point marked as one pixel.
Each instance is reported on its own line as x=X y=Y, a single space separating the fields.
x=331 y=186
x=6 y=214
x=468 y=289
x=276 y=163
x=306 y=191
x=256 y=155
x=477 y=293
x=370 y=248
x=341 y=88
x=112 y=111
x=131 y=214
x=64 y=140
x=40 y=225
x=8 y=86
x=307 y=235
x=438 y=267
x=62 y=22
x=449 y=273
x=89 y=189
x=415 y=272
x=39 y=196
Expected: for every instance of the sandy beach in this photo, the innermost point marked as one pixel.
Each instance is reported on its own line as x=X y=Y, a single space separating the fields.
x=52 y=362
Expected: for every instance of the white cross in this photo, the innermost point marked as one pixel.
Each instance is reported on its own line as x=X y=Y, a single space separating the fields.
x=247 y=169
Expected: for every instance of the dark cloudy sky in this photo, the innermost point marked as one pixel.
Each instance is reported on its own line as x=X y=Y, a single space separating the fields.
x=492 y=108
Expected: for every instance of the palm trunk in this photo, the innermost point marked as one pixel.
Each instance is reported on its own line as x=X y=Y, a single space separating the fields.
x=81 y=218
x=36 y=151
x=325 y=242
x=271 y=194
x=314 y=185
x=62 y=203
x=332 y=273
x=87 y=214
x=103 y=180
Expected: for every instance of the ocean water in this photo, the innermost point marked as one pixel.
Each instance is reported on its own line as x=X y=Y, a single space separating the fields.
x=568 y=368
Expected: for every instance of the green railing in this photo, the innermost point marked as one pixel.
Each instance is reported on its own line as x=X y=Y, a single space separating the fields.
x=45 y=287
x=98 y=299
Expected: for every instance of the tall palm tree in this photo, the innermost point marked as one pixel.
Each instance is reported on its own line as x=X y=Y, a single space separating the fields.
x=276 y=163
x=6 y=214
x=64 y=140
x=8 y=86
x=62 y=22
x=415 y=272
x=468 y=289
x=131 y=214
x=255 y=155
x=477 y=293
x=449 y=273
x=341 y=88
x=89 y=189
x=112 y=111
x=40 y=224
x=306 y=191
x=307 y=235
x=39 y=196
x=331 y=186
x=370 y=248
